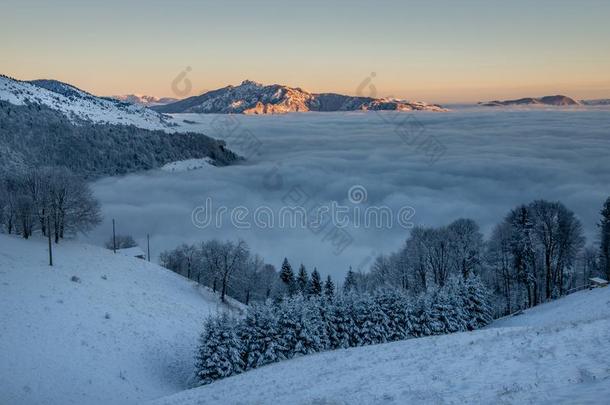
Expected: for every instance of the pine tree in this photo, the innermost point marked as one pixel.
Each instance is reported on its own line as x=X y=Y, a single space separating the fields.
x=340 y=326
x=604 y=247
x=315 y=287
x=219 y=353
x=302 y=280
x=290 y=323
x=394 y=306
x=260 y=337
x=321 y=320
x=449 y=307
x=427 y=319
x=300 y=327
x=477 y=303
x=371 y=322
x=329 y=288
x=287 y=277
x=350 y=281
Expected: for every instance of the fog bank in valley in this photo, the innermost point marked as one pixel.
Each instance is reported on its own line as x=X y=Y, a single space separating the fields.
x=476 y=163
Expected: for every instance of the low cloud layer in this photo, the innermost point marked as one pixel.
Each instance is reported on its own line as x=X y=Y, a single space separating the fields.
x=490 y=161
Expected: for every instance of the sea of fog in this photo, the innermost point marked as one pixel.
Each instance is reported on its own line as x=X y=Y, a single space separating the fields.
x=435 y=167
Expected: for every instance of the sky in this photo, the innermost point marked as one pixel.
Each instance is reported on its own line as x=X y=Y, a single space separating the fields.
x=441 y=51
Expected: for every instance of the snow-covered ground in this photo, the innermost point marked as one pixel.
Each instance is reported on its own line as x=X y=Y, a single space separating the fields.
x=76 y=103
x=557 y=353
x=123 y=331
x=187 y=165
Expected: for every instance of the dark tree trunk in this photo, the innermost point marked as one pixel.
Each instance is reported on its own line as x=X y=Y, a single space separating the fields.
x=224 y=287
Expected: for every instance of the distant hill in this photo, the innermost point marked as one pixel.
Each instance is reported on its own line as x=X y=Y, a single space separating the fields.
x=78 y=105
x=34 y=135
x=47 y=122
x=146 y=101
x=601 y=101
x=557 y=100
x=96 y=328
x=255 y=98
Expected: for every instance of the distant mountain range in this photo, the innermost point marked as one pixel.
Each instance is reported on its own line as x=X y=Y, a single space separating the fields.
x=146 y=101
x=600 y=101
x=255 y=98
x=557 y=100
x=78 y=105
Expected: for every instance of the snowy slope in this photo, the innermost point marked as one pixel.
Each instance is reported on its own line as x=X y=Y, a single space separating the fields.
x=123 y=333
x=188 y=165
x=77 y=104
x=580 y=307
x=534 y=358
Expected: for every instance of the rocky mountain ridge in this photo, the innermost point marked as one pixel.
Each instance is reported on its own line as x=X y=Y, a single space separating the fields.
x=255 y=98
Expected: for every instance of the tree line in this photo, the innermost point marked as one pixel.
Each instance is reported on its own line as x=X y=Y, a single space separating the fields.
x=300 y=325
x=535 y=254
x=231 y=269
x=442 y=280
x=49 y=200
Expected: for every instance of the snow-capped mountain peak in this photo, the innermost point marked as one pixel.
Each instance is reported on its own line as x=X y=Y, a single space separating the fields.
x=252 y=83
x=79 y=105
x=251 y=97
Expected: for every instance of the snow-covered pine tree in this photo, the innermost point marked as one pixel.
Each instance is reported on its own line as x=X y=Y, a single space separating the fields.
x=259 y=335
x=315 y=286
x=371 y=322
x=302 y=280
x=219 y=352
x=393 y=305
x=287 y=277
x=301 y=330
x=317 y=318
x=340 y=326
x=289 y=324
x=448 y=307
x=329 y=288
x=349 y=284
x=477 y=303
x=427 y=320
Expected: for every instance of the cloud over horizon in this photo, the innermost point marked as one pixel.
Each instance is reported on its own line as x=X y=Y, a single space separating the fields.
x=492 y=161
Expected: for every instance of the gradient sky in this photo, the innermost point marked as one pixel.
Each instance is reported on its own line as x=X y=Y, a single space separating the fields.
x=441 y=51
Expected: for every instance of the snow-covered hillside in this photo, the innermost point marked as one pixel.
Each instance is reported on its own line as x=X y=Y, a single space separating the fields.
x=188 y=165
x=96 y=328
x=556 y=353
x=77 y=104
